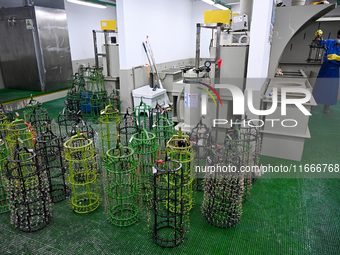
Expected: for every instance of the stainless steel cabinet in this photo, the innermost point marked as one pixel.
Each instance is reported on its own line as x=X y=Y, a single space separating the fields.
x=34 y=48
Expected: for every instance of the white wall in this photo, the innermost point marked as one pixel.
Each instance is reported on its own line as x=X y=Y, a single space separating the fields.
x=81 y=20
x=167 y=23
x=259 y=51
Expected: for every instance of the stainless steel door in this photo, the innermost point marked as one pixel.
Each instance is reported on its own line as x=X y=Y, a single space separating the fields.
x=55 y=47
x=17 y=51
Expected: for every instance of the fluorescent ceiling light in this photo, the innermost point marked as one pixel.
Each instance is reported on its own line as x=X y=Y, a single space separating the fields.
x=87 y=3
x=217 y=4
x=208 y=2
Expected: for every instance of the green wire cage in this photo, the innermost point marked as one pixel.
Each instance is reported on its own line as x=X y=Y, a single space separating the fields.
x=74 y=92
x=114 y=99
x=99 y=94
x=121 y=186
x=19 y=134
x=164 y=129
x=4 y=203
x=80 y=156
x=3 y=126
x=145 y=146
x=109 y=119
x=180 y=148
x=143 y=116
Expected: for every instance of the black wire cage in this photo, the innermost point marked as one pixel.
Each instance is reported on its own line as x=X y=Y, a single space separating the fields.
x=49 y=151
x=127 y=127
x=38 y=118
x=65 y=120
x=168 y=226
x=28 y=191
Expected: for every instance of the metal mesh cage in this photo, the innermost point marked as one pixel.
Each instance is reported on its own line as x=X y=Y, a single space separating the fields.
x=145 y=146
x=3 y=126
x=121 y=186
x=65 y=120
x=19 y=134
x=143 y=116
x=201 y=140
x=28 y=191
x=160 y=111
x=245 y=141
x=85 y=128
x=223 y=190
x=168 y=226
x=179 y=148
x=127 y=127
x=49 y=149
x=164 y=129
x=74 y=92
x=4 y=202
x=83 y=177
x=29 y=107
x=38 y=118
x=109 y=120
x=114 y=99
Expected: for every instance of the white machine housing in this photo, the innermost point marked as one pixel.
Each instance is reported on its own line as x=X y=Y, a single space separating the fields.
x=235 y=38
x=240 y=22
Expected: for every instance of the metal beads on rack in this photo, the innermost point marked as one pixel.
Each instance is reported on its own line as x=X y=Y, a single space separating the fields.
x=28 y=191
x=49 y=149
x=223 y=191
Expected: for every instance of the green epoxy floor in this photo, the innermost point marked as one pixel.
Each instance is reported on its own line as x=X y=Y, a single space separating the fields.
x=8 y=95
x=283 y=216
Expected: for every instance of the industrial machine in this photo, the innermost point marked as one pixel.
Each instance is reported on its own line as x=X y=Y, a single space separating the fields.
x=35 y=51
x=198 y=92
x=107 y=55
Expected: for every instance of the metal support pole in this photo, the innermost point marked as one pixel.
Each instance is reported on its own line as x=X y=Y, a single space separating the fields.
x=95 y=47
x=198 y=49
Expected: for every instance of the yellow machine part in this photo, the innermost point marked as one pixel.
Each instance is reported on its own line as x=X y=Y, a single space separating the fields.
x=316 y=3
x=217 y=16
x=108 y=24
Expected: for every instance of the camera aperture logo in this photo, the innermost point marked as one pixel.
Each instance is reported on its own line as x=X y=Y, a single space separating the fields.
x=239 y=100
